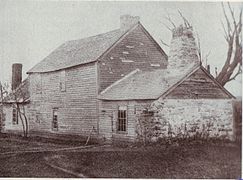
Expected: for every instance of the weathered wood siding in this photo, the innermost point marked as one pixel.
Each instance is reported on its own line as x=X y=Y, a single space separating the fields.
x=135 y=50
x=8 y=125
x=198 y=86
x=76 y=106
x=108 y=114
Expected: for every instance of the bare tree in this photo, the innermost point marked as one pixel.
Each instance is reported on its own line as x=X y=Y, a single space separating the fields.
x=18 y=98
x=3 y=92
x=233 y=36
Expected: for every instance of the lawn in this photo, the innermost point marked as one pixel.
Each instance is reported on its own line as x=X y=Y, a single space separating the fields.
x=17 y=143
x=194 y=161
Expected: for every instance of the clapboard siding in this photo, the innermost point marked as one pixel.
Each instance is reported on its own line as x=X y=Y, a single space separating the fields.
x=76 y=106
x=8 y=125
x=108 y=119
x=198 y=85
x=138 y=50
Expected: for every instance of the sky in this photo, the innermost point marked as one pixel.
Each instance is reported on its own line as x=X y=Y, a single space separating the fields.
x=30 y=30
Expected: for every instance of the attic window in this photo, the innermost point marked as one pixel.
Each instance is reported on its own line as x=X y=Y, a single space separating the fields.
x=38 y=83
x=155 y=65
x=63 y=81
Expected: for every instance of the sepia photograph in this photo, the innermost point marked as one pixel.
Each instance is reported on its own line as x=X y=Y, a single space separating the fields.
x=120 y=89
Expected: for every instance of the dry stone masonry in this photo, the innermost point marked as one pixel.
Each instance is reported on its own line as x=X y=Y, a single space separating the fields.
x=183 y=49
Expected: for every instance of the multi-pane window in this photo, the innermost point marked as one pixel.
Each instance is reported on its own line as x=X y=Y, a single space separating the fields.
x=63 y=80
x=55 y=120
x=15 y=116
x=122 y=119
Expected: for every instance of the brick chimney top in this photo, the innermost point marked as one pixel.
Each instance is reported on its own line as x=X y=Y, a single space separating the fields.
x=128 y=21
x=16 y=75
x=183 y=49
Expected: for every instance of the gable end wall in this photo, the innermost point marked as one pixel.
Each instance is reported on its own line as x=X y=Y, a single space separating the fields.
x=198 y=86
x=135 y=50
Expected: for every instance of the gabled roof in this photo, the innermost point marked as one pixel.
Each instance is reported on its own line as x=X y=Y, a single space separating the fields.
x=140 y=85
x=144 y=84
x=87 y=50
x=76 y=52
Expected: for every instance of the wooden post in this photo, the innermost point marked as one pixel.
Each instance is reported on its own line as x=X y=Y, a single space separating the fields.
x=89 y=136
x=1 y=119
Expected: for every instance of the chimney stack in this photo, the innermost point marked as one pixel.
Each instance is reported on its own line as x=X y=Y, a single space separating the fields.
x=16 y=75
x=208 y=68
x=128 y=21
x=183 y=49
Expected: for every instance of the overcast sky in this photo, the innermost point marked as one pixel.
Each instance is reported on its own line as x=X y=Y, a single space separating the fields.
x=30 y=30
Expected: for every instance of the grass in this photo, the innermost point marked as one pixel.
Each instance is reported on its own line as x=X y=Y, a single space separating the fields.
x=10 y=143
x=195 y=161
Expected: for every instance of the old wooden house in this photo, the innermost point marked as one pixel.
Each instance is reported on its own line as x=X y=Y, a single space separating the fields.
x=101 y=84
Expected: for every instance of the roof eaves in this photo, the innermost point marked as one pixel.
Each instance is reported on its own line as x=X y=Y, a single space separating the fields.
x=213 y=79
x=84 y=63
x=127 y=99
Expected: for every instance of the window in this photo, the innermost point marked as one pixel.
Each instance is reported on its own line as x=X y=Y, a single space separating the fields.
x=122 y=119
x=15 y=116
x=63 y=81
x=38 y=83
x=55 y=120
x=38 y=117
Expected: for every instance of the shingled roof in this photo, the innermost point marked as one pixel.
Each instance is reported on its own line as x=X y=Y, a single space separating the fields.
x=145 y=84
x=76 y=52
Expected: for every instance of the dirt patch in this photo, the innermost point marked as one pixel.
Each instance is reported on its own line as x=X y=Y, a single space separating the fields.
x=197 y=161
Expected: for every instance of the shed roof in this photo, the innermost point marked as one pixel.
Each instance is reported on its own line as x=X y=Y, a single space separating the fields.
x=76 y=52
x=145 y=84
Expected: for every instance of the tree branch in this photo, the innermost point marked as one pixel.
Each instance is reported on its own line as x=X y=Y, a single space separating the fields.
x=238 y=72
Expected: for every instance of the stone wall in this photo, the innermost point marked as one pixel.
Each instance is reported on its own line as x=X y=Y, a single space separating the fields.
x=191 y=116
x=183 y=49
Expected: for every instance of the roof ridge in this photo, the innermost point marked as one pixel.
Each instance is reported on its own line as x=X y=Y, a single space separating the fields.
x=92 y=36
x=118 y=81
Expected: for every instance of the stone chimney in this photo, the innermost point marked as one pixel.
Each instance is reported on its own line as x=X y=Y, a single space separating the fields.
x=16 y=75
x=128 y=21
x=183 y=49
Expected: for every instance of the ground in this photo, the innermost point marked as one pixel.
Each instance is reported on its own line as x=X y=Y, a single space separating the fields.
x=183 y=161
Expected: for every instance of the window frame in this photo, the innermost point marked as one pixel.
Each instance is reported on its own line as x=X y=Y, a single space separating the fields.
x=62 y=82
x=122 y=119
x=55 y=119
x=15 y=120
